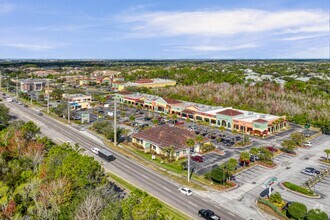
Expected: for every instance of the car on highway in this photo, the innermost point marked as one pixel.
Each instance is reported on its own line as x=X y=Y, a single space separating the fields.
x=40 y=114
x=185 y=191
x=198 y=159
x=308 y=172
x=208 y=214
x=95 y=150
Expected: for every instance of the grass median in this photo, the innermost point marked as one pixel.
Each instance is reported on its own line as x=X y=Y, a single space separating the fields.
x=173 y=213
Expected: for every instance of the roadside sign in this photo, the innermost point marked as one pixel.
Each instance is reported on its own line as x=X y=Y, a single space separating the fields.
x=269 y=182
x=85 y=117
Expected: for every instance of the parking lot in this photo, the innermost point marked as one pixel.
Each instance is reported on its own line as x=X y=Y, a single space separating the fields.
x=210 y=160
x=250 y=175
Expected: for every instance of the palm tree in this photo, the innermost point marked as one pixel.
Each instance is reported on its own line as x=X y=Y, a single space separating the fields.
x=190 y=142
x=169 y=152
x=199 y=139
x=245 y=156
x=327 y=151
x=254 y=151
x=222 y=129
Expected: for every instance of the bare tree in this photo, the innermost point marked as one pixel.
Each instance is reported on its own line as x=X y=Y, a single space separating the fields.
x=90 y=208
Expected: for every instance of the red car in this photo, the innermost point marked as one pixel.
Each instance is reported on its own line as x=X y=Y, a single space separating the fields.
x=198 y=159
x=179 y=123
x=271 y=149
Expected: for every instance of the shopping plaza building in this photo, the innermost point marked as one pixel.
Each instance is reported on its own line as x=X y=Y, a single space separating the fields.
x=232 y=119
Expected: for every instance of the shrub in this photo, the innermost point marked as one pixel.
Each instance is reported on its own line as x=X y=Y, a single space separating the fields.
x=218 y=175
x=276 y=198
x=299 y=189
x=316 y=214
x=272 y=206
x=207 y=147
x=297 y=210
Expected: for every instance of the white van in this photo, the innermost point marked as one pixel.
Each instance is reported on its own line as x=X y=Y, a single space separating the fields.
x=9 y=99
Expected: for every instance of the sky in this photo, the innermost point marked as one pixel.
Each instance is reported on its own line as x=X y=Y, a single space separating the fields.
x=171 y=29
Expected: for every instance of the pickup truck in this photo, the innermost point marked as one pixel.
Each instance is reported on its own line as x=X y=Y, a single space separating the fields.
x=208 y=214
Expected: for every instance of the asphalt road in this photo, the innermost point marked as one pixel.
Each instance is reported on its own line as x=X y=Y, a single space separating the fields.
x=139 y=175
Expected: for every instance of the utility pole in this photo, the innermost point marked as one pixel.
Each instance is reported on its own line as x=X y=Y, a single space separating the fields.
x=0 y=80
x=68 y=112
x=115 y=122
x=48 y=98
x=17 y=86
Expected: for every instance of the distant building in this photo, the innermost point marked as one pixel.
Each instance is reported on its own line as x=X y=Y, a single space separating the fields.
x=152 y=83
x=78 y=101
x=28 y=85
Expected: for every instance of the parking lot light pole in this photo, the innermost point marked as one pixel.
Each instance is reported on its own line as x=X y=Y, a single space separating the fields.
x=188 y=164
x=115 y=122
x=48 y=98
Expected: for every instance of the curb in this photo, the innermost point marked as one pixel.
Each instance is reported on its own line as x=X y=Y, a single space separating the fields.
x=310 y=197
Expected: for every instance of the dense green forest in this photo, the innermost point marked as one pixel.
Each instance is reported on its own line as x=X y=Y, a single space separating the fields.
x=41 y=180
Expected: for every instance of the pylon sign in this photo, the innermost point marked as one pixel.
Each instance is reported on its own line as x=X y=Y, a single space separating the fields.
x=268 y=183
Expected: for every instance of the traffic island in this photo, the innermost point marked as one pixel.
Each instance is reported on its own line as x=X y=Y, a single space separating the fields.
x=265 y=206
x=300 y=190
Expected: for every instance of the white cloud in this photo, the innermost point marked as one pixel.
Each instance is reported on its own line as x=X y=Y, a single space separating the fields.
x=219 y=48
x=227 y=22
x=303 y=37
x=35 y=47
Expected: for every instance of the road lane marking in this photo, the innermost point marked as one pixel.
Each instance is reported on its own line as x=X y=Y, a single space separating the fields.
x=166 y=189
x=126 y=166
x=231 y=214
x=145 y=176
x=192 y=204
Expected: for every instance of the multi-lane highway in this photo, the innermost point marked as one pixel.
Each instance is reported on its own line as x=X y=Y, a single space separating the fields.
x=137 y=174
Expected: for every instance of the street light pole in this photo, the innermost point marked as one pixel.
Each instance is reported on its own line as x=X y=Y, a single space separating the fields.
x=68 y=112
x=115 y=122
x=0 y=80
x=48 y=98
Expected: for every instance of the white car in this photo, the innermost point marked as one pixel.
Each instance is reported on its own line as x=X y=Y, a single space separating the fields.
x=185 y=191
x=95 y=150
x=307 y=144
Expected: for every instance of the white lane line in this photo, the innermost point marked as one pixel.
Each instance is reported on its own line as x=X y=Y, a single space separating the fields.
x=145 y=176
x=231 y=214
x=166 y=189
x=192 y=204
x=126 y=166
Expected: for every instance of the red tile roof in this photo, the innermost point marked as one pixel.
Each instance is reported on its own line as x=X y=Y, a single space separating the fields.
x=261 y=120
x=144 y=81
x=171 y=101
x=124 y=93
x=165 y=136
x=230 y=112
x=188 y=111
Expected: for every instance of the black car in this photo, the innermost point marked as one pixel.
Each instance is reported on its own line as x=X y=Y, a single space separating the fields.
x=40 y=114
x=208 y=214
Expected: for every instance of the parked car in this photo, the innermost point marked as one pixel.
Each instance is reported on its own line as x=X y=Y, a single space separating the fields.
x=307 y=144
x=265 y=192
x=208 y=214
x=308 y=172
x=247 y=162
x=313 y=170
x=272 y=149
x=179 y=123
x=95 y=150
x=185 y=191
x=254 y=158
x=198 y=159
